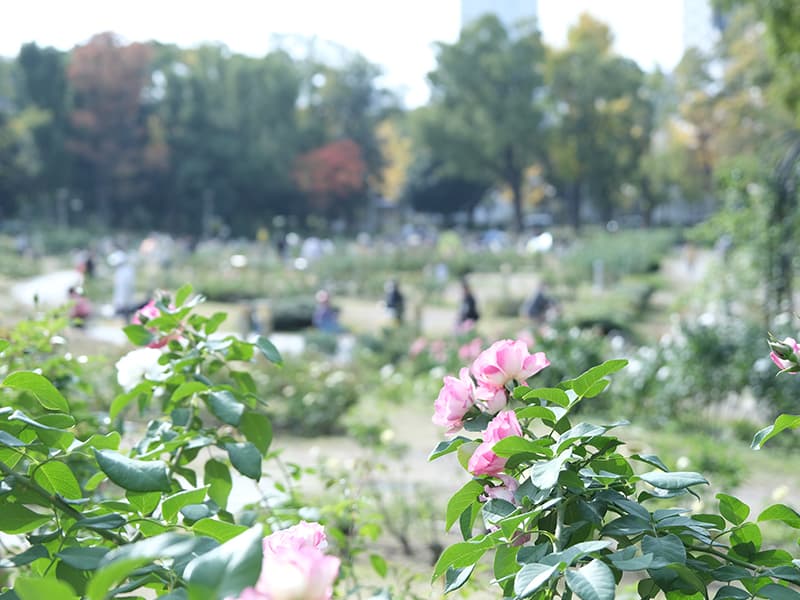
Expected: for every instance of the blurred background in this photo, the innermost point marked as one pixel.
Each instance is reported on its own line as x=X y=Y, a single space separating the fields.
x=384 y=188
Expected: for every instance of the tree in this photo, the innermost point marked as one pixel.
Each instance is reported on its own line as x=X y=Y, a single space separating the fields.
x=333 y=176
x=430 y=188
x=44 y=86
x=109 y=122
x=602 y=121
x=486 y=117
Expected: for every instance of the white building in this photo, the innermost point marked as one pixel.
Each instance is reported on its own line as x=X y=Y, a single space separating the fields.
x=508 y=11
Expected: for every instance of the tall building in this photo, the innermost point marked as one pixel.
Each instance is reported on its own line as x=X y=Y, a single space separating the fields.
x=508 y=11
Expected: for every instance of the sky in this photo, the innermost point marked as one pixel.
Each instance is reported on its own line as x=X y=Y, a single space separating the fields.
x=399 y=35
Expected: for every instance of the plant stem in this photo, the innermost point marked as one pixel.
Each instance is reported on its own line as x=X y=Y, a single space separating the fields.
x=718 y=554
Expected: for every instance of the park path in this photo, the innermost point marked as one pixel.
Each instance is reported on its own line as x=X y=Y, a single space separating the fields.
x=49 y=289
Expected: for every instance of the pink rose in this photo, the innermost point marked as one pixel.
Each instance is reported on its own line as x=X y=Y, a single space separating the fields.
x=504 y=425
x=484 y=461
x=417 y=346
x=470 y=350
x=491 y=400
x=295 y=567
x=148 y=311
x=782 y=363
x=507 y=360
x=502 y=492
x=455 y=399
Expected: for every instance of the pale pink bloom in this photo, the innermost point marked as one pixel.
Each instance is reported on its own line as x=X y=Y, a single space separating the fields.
x=465 y=326
x=148 y=311
x=295 y=566
x=780 y=362
x=417 y=346
x=504 y=425
x=491 y=399
x=484 y=461
x=507 y=360
x=502 y=492
x=470 y=350
x=527 y=337
x=438 y=349
x=455 y=399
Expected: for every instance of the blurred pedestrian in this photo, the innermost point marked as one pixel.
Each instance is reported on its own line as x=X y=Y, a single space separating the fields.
x=81 y=308
x=468 y=311
x=395 y=301
x=325 y=317
x=538 y=306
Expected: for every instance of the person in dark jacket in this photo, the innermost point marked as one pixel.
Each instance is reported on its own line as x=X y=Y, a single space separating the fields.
x=468 y=311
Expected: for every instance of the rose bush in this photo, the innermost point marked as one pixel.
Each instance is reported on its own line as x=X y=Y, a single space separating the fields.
x=568 y=512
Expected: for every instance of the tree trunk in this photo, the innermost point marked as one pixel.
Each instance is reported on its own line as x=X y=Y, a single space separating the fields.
x=574 y=204
x=516 y=196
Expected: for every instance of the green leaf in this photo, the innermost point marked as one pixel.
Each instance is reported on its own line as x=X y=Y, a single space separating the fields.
x=544 y=475
x=650 y=459
x=728 y=592
x=666 y=550
x=49 y=434
x=245 y=458
x=554 y=395
x=455 y=578
x=219 y=530
x=585 y=381
x=514 y=444
x=748 y=534
x=627 y=560
x=459 y=502
x=225 y=407
x=85 y=558
x=257 y=428
x=144 y=502
x=269 y=351
x=447 y=446
x=674 y=480
x=463 y=554
x=595 y=581
x=172 y=504
x=139 y=335
x=121 y=561
x=228 y=569
x=733 y=509
x=44 y=391
x=597 y=388
x=531 y=577
x=378 y=564
x=781 y=512
x=15 y=518
x=132 y=474
x=217 y=476
x=101 y=522
x=23 y=558
x=214 y=321
x=37 y=588
x=187 y=388
x=572 y=553
x=109 y=441
x=773 y=591
x=4 y=344
x=57 y=478
x=183 y=294
x=781 y=423
x=536 y=412
x=496 y=510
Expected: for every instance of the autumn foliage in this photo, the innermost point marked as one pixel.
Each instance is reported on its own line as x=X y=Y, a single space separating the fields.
x=331 y=175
